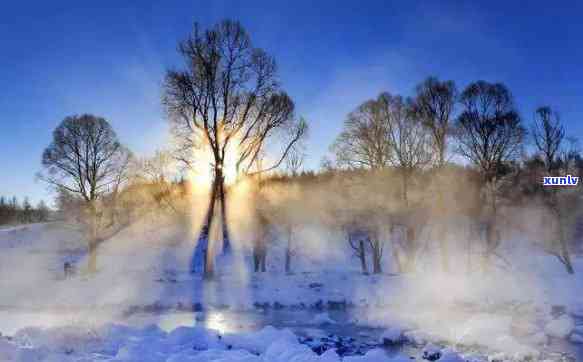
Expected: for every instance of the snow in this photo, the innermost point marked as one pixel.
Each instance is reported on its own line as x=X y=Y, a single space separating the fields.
x=376 y=355
x=560 y=327
x=323 y=318
x=124 y=344
x=448 y=355
x=506 y=312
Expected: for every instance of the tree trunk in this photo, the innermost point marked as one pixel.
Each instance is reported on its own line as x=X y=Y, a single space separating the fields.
x=492 y=243
x=362 y=255
x=405 y=180
x=263 y=261
x=396 y=253
x=376 y=257
x=207 y=254
x=93 y=238
x=288 y=262
x=225 y=227
x=92 y=265
x=565 y=255
x=442 y=234
x=256 y=260
x=411 y=247
x=259 y=258
x=444 y=247
x=288 y=250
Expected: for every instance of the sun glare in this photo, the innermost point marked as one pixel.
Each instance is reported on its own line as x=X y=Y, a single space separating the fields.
x=203 y=172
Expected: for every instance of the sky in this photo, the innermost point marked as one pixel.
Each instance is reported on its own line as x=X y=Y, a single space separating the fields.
x=109 y=58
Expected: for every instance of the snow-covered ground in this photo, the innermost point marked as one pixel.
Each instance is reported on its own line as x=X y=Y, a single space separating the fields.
x=122 y=343
x=145 y=270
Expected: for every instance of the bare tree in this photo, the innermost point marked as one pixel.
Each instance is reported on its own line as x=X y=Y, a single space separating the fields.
x=364 y=141
x=295 y=160
x=159 y=170
x=383 y=132
x=548 y=135
x=357 y=241
x=489 y=129
x=293 y=163
x=408 y=138
x=569 y=156
x=434 y=104
x=260 y=242
x=227 y=99
x=85 y=158
x=489 y=134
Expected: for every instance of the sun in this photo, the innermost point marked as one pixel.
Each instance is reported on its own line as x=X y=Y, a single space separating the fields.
x=202 y=174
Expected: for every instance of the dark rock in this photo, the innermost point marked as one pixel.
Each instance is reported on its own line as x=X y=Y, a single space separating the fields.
x=262 y=306
x=337 y=305
x=196 y=307
x=558 y=310
x=319 y=305
x=432 y=356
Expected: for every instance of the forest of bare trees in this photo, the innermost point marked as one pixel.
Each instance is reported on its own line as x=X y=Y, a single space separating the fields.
x=400 y=172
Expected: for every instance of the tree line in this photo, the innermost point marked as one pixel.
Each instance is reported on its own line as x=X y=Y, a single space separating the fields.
x=227 y=100
x=482 y=126
x=14 y=212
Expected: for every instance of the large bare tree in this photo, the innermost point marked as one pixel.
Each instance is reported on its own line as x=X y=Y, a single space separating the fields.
x=489 y=130
x=85 y=158
x=434 y=104
x=489 y=134
x=227 y=98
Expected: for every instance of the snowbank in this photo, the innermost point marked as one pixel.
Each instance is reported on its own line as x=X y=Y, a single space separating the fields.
x=151 y=344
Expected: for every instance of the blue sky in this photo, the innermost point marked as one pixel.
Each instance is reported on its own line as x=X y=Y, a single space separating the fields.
x=66 y=57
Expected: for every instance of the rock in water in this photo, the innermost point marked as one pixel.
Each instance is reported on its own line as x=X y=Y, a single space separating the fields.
x=393 y=336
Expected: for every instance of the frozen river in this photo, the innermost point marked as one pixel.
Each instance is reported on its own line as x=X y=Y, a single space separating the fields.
x=336 y=328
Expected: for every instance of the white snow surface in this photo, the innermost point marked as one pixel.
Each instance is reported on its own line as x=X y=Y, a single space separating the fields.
x=148 y=264
x=120 y=343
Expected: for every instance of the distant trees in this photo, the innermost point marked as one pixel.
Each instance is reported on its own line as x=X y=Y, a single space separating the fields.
x=227 y=100
x=86 y=159
x=159 y=170
x=12 y=212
